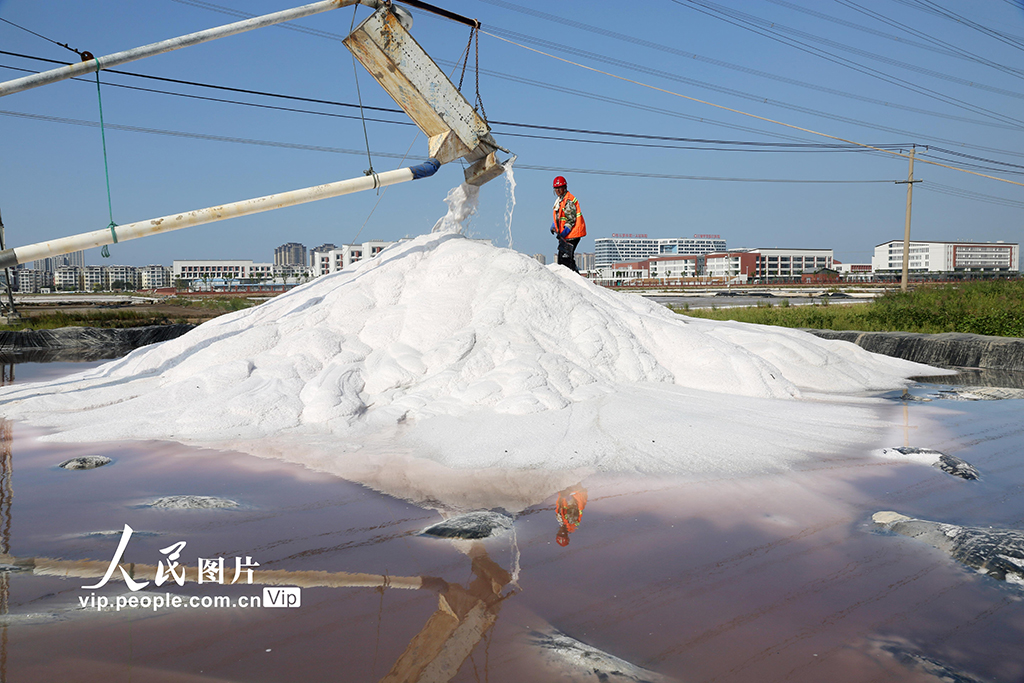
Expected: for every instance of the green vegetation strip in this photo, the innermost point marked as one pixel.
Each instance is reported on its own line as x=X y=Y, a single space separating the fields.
x=120 y=319
x=128 y=318
x=993 y=307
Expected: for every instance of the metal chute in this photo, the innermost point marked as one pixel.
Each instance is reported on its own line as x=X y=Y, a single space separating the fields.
x=453 y=128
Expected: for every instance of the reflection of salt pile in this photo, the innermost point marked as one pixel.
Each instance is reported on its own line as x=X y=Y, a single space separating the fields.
x=472 y=356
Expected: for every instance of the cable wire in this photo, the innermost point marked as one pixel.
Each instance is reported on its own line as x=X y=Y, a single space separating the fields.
x=743 y=113
x=394 y=155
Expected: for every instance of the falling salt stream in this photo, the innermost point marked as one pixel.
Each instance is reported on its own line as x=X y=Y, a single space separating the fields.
x=462 y=202
x=510 y=193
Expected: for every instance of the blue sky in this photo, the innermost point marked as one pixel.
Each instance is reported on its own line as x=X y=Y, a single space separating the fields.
x=946 y=74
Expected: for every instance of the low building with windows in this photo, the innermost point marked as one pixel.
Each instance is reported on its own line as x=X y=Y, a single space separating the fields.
x=623 y=248
x=736 y=266
x=333 y=260
x=676 y=267
x=187 y=272
x=947 y=257
x=789 y=263
x=855 y=271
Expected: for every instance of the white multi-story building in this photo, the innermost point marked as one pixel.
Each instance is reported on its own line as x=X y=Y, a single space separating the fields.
x=232 y=269
x=621 y=248
x=121 y=277
x=669 y=267
x=94 y=278
x=67 y=278
x=291 y=274
x=947 y=257
x=155 y=277
x=739 y=264
x=32 y=280
x=789 y=263
x=333 y=260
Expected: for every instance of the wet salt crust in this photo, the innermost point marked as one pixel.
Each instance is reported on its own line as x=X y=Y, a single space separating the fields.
x=445 y=350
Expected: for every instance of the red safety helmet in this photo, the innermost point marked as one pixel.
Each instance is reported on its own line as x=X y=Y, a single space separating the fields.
x=559 y=182
x=562 y=537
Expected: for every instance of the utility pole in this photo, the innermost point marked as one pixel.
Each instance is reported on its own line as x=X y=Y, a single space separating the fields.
x=7 y=273
x=906 y=227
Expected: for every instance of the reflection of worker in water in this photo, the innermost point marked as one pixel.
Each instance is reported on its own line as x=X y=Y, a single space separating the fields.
x=569 y=510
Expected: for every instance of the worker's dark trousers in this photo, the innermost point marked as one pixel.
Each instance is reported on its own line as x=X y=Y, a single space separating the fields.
x=567 y=253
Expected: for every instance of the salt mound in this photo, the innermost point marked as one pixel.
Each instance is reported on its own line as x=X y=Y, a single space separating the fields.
x=450 y=349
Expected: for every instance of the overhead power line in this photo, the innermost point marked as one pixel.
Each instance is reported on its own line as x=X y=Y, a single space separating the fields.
x=703 y=143
x=566 y=21
x=634 y=105
x=925 y=36
x=771 y=30
x=395 y=155
x=791 y=146
x=968 y=194
x=788 y=146
x=960 y=19
x=743 y=113
x=867 y=29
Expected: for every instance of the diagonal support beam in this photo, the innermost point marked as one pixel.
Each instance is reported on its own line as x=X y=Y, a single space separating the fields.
x=135 y=54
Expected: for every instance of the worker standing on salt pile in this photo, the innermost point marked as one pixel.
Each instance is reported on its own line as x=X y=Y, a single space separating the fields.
x=567 y=224
x=569 y=511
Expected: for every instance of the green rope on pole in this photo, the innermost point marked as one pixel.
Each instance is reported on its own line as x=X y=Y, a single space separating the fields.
x=106 y=168
x=105 y=253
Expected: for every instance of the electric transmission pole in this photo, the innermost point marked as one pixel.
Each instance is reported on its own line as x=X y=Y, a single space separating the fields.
x=906 y=227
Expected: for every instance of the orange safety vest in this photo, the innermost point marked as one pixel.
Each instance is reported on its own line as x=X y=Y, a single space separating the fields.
x=578 y=230
x=570 y=522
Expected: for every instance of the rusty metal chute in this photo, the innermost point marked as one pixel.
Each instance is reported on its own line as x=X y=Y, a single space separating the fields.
x=454 y=129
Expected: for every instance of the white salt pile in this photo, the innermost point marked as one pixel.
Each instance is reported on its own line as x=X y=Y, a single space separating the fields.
x=448 y=351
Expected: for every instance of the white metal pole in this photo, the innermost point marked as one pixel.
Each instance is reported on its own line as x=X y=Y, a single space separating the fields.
x=117 y=58
x=130 y=231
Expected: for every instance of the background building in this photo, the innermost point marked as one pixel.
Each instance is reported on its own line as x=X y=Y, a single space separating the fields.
x=155 y=277
x=738 y=265
x=790 y=263
x=732 y=266
x=32 y=280
x=854 y=271
x=120 y=277
x=621 y=248
x=333 y=260
x=584 y=261
x=673 y=267
x=291 y=254
x=186 y=272
x=68 y=279
x=947 y=257
x=51 y=264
